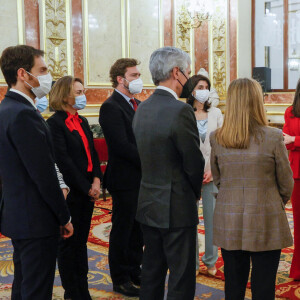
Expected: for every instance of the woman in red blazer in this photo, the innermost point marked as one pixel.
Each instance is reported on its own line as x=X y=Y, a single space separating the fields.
x=291 y=132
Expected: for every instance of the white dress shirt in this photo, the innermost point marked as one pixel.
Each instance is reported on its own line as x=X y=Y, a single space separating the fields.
x=168 y=90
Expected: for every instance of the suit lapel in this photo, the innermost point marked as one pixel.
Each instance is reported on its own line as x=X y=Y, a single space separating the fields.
x=123 y=103
x=63 y=115
x=18 y=98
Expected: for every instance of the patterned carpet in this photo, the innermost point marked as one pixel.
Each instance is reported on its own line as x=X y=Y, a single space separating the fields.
x=99 y=279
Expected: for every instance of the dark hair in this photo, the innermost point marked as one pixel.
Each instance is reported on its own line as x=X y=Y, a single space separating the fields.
x=296 y=103
x=78 y=80
x=119 y=68
x=16 y=57
x=193 y=82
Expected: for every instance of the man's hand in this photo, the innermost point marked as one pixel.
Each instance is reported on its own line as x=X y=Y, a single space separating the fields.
x=288 y=139
x=65 y=192
x=207 y=177
x=94 y=191
x=67 y=230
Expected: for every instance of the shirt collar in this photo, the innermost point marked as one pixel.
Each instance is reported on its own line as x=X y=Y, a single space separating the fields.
x=24 y=95
x=126 y=97
x=168 y=90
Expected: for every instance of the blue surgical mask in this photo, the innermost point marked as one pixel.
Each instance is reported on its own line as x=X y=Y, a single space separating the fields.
x=80 y=102
x=41 y=104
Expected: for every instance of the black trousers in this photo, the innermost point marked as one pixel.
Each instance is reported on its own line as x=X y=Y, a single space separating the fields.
x=172 y=249
x=263 y=275
x=34 y=261
x=72 y=252
x=125 y=241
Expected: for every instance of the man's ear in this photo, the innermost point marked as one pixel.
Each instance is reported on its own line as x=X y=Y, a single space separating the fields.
x=175 y=72
x=120 y=79
x=22 y=74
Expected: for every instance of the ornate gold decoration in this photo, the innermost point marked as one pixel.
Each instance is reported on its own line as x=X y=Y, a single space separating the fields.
x=57 y=37
x=185 y=22
x=219 y=48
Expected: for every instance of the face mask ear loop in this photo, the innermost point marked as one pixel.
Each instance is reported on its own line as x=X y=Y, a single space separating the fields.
x=183 y=75
x=26 y=81
x=127 y=88
x=179 y=82
x=31 y=74
x=28 y=84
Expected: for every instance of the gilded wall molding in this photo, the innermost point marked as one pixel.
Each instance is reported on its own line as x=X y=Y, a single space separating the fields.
x=184 y=36
x=56 y=35
x=218 y=47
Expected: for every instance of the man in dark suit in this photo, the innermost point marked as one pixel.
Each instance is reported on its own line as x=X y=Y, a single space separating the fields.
x=172 y=172
x=123 y=175
x=33 y=208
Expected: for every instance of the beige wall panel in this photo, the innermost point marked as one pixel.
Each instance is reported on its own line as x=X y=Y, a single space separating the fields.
x=144 y=33
x=103 y=21
x=244 y=39
x=11 y=25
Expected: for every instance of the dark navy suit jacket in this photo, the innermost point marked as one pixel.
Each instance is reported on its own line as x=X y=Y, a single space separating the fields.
x=32 y=204
x=123 y=170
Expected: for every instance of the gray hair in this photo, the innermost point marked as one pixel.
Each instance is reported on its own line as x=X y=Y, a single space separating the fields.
x=163 y=60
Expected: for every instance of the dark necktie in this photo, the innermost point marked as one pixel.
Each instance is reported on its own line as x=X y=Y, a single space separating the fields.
x=134 y=104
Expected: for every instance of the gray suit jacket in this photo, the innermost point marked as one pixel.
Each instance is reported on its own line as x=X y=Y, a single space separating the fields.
x=172 y=164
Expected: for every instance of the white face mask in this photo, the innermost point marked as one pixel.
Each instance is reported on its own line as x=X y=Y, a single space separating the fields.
x=202 y=95
x=45 y=82
x=135 y=86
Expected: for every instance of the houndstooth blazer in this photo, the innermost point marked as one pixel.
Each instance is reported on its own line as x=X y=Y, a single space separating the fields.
x=254 y=185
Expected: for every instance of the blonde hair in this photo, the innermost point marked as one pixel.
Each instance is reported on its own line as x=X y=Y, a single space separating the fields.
x=244 y=116
x=60 y=91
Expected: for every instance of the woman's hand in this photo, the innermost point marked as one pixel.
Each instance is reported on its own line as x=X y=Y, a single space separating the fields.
x=94 y=191
x=207 y=177
x=288 y=139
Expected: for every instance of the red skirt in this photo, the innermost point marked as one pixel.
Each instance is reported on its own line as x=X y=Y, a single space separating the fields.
x=295 y=267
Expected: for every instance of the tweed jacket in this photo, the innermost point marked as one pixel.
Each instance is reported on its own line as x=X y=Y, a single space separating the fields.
x=254 y=185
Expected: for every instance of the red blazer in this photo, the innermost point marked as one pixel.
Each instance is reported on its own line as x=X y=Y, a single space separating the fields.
x=292 y=127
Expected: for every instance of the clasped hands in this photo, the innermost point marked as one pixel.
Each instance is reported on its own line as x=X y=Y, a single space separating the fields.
x=207 y=177
x=94 y=191
x=288 y=139
x=67 y=230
